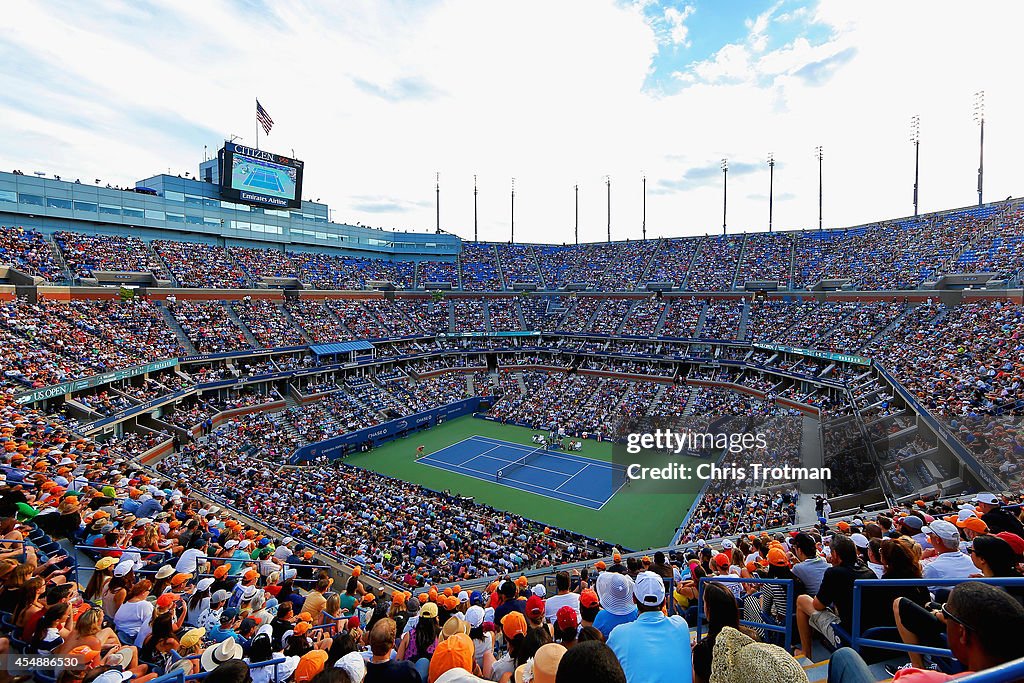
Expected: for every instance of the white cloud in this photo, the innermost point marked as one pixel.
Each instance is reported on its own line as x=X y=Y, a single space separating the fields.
x=676 y=20
x=551 y=93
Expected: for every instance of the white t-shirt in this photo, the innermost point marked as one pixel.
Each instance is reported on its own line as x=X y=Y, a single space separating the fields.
x=556 y=602
x=949 y=566
x=187 y=563
x=265 y=674
x=132 y=616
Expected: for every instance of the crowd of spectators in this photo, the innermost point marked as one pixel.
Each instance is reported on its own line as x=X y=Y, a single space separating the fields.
x=260 y=263
x=201 y=265
x=518 y=264
x=85 y=253
x=208 y=326
x=478 y=265
x=438 y=271
x=268 y=323
x=30 y=251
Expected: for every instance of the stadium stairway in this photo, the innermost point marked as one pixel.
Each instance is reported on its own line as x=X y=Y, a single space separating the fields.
x=249 y=336
x=699 y=327
x=59 y=260
x=884 y=332
x=487 y=315
x=178 y=332
x=661 y=320
x=741 y=332
x=281 y=418
x=287 y=315
x=522 y=318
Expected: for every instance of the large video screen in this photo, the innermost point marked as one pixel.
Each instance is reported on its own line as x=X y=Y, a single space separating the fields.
x=253 y=176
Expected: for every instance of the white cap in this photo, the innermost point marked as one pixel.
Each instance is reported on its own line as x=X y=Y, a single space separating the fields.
x=859 y=540
x=475 y=615
x=965 y=514
x=539 y=590
x=230 y=544
x=649 y=589
x=203 y=584
x=946 y=531
x=123 y=567
x=354 y=665
x=463 y=596
x=987 y=498
x=727 y=545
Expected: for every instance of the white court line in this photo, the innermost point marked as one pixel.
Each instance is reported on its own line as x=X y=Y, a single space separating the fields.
x=479 y=455
x=490 y=480
x=572 y=458
x=582 y=469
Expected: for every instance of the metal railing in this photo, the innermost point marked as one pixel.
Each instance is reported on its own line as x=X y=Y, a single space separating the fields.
x=785 y=629
x=860 y=640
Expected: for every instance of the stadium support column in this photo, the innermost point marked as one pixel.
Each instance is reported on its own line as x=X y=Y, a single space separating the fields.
x=475 y=238
x=643 y=220
x=513 y=239
x=576 y=229
x=725 y=191
x=771 y=187
x=979 y=117
x=915 y=140
x=818 y=153
x=608 y=184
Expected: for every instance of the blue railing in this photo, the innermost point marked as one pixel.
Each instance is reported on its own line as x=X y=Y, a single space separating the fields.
x=785 y=629
x=258 y=665
x=860 y=640
x=1004 y=673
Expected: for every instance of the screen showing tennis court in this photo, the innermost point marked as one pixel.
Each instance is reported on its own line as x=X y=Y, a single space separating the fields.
x=256 y=176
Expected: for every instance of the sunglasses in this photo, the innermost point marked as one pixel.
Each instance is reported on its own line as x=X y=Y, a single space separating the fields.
x=950 y=615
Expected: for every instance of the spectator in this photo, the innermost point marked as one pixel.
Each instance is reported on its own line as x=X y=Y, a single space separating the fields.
x=615 y=592
x=832 y=605
x=382 y=668
x=653 y=647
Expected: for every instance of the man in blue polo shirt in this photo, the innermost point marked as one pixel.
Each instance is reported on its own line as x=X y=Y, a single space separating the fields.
x=654 y=648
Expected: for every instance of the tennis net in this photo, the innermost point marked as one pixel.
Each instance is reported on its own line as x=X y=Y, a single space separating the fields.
x=520 y=462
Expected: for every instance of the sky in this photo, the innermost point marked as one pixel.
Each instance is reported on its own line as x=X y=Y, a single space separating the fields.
x=381 y=98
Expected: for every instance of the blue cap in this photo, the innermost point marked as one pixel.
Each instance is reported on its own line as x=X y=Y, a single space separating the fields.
x=476 y=598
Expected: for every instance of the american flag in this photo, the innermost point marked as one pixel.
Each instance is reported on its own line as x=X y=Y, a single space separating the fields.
x=264 y=118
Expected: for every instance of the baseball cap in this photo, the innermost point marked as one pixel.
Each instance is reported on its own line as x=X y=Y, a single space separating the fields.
x=588 y=598
x=475 y=616
x=429 y=611
x=85 y=654
x=219 y=596
x=987 y=498
x=180 y=578
x=513 y=624
x=722 y=560
x=973 y=524
x=616 y=593
x=476 y=598
x=727 y=544
x=777 y=557
x=354 y=665
x=204 y=584
x=192 y=637
x=649 y=589
x=566 y=618
x=539 y=590
x=1015 y=541
x=534 y=606
x=912 y=521
x=943 y=530
x=105 y=562
x=457 y=652
x=859 y=540
x=600 y=565
x=843 y=526
x=301 y=628
x=167 y=599
x=164 y=571
x=123 y=567
x=463 y=596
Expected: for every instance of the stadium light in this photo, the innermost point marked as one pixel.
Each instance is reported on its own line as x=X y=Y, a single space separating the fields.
x=771 y=186
x=643 y=221
x=979 y=118
x=608 y=183
x=513 y=240
x=818 y=153
x=577 y=224
x=437 y=198
x=725 y=191
x=475 y=238
x=915 y=139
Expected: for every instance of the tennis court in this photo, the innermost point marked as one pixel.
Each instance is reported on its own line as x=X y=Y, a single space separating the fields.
x=554 y=474
x=261 y=178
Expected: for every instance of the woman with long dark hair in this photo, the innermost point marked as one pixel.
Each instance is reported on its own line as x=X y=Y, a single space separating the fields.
x=51 y=630
x=720 y=610
x=994 y=557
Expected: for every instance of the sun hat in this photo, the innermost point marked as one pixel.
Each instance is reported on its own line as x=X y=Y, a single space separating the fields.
x=616 y=593
x=224 y=651
x=737 y=658
x=452 y=626
x=543 y=666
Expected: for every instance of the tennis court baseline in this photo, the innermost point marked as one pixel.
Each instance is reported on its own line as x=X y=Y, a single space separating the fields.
x=554 y=474
x=263 y=179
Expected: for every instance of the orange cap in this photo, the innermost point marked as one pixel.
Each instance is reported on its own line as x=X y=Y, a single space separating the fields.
x=974 y=524
x=221 y=571
x=778 y=558
x=455 y=652
x=301 y=628
x=513 y=624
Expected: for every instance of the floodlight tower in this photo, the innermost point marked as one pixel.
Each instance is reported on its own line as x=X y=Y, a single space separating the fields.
x=643 y=220
x=915 y=140
x=979 y=118
x=771 y=187
x=513 y=238
x=437 y=199
x=818 y=153
x=576 y=229
x=608 y=184
x=475 y=224
x=725 y=191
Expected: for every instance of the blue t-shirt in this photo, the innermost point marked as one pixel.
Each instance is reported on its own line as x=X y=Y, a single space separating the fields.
x=654 y=649
x=605 y=621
